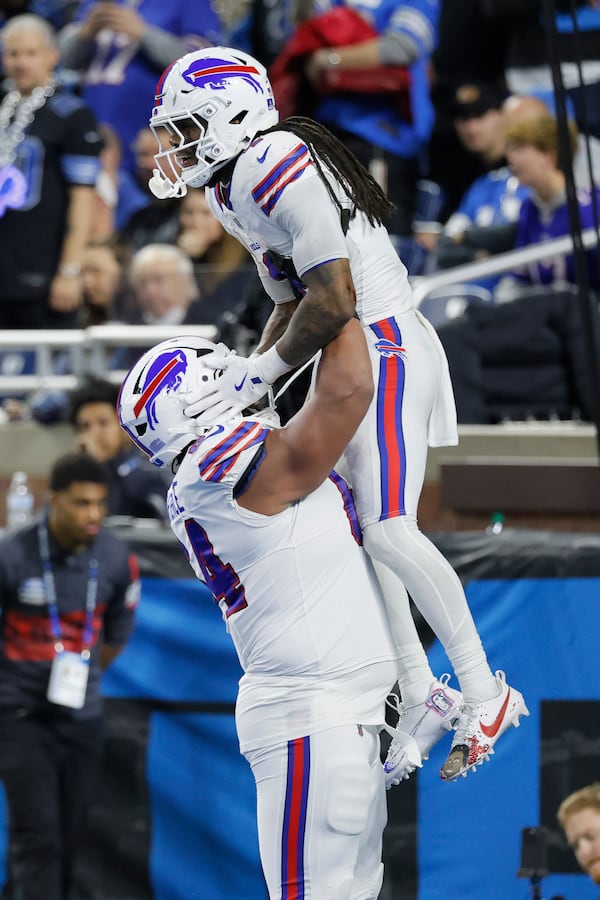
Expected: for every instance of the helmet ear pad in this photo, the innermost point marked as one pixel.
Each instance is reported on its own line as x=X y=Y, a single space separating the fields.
x=227 y=94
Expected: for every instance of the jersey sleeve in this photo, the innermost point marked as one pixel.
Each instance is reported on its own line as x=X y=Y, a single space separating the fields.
x=310 y=216
x=225 y=454
x=287 y=189
x=418 y=20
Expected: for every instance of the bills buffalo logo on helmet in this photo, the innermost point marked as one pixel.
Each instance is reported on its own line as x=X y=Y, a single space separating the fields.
x=215 y=73
x=164 y=374
x=389 y=348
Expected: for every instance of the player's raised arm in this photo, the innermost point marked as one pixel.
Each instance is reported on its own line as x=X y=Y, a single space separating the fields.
x=329 y=303
x=301 y=455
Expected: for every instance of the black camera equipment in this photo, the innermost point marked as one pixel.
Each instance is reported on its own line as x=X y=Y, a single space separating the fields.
x=534 y=841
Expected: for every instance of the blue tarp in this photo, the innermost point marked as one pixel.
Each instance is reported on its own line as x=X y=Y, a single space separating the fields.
x=542 y=632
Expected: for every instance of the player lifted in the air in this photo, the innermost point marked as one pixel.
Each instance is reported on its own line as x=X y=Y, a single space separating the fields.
x=313 y=219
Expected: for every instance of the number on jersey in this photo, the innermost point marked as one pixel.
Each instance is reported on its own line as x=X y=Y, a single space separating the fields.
x=220 y=577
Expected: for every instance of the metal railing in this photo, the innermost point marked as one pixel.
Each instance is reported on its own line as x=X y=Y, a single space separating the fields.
x=63 y=357
x=88 y=351
x=502 y=262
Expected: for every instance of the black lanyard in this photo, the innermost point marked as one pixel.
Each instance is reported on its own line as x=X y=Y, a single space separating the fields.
x=90 y=597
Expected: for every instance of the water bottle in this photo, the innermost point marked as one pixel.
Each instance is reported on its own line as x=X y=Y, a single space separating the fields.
x=19 y=501
x=496 y=524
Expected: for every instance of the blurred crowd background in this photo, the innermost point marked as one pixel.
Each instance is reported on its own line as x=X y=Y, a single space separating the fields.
x=449 y=103
x=481 y=121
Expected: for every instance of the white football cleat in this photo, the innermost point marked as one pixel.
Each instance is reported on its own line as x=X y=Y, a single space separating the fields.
x=479 y=727
x=419 y=728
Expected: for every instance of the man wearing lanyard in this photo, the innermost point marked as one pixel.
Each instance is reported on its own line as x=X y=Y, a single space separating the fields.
x=68 y=590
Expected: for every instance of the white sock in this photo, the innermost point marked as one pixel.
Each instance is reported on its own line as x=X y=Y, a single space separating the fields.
x=414 y=673
x=437 y=592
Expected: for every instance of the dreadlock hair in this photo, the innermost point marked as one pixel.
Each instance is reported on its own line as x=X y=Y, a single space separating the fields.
x=359 y=184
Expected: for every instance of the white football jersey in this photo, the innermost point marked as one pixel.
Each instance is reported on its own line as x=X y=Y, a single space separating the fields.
x=296 y=592
x=277 y=201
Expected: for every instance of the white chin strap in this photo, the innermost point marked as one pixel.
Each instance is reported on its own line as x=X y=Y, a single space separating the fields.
x=162 y=188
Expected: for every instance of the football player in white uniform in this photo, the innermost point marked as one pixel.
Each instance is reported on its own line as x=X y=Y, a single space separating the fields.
x=271 y=529
x=312 y=218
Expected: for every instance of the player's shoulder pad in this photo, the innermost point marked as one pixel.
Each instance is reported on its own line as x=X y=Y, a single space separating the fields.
x=223 y=453
x=270 y=163
x=266 y=152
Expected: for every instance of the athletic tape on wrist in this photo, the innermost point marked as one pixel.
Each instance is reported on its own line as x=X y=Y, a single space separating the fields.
x=270 y=366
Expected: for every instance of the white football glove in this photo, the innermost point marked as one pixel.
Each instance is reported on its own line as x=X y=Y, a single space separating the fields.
x=243 y=382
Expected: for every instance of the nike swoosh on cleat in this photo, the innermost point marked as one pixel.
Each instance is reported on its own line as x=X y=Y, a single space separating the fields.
x=239 y=386
x=262 y=158
x=492 y=730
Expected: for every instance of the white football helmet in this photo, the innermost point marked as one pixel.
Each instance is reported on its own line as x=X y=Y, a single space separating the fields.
x=227 y=96
x=156 y=390
x=162 y=383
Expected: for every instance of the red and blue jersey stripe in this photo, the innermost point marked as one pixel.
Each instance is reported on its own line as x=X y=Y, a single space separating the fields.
x=218 y=462
x=268 y=191
x=349 y=506
x=294 y=820
x=222 y=195
x=390 y=435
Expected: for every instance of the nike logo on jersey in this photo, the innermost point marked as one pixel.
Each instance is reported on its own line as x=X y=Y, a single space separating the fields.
x=491 y=731
x=262 y=158
x=239 y=386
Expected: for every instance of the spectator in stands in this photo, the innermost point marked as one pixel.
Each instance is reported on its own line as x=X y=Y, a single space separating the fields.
x=223 y=269
x=479 y=122
x=484 y=222
x=165 y=291
x=120 y=49
x=135 y=488
x=579 y=817
x=68 y=590
x=103 y=263
x=533 y=155
x=120 y=194
x=143 y=218
x=528 y=356
x=466 y=136
x=387 y=131
x=471 y=49
x=49 y=163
